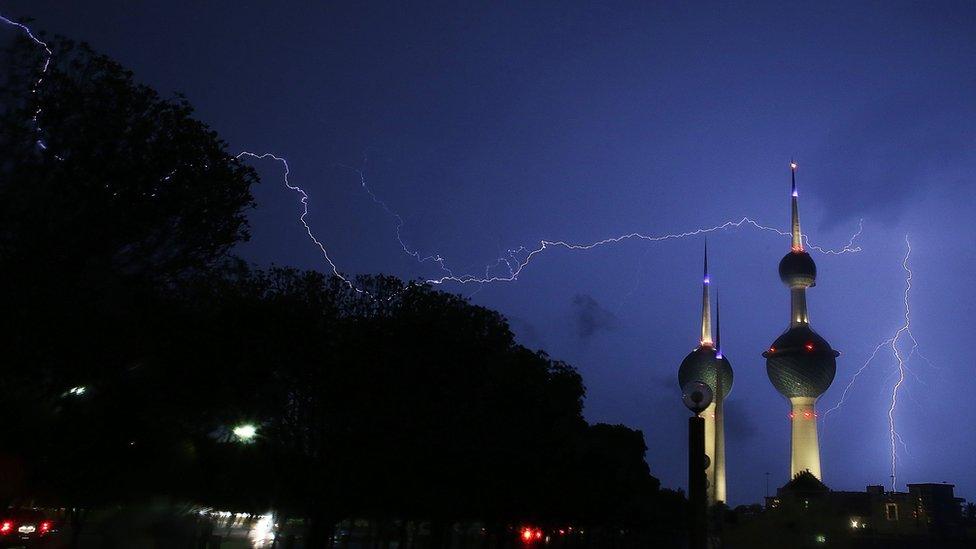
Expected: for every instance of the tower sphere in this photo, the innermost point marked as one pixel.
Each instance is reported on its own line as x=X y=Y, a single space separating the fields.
x=798 y=269
x=705 y=365
x=800 y=363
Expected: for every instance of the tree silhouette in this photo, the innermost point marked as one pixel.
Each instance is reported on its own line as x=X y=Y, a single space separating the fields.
x=110 y=196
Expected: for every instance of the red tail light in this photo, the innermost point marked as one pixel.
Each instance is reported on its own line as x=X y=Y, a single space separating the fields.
x=45 y=527
x=6 y=527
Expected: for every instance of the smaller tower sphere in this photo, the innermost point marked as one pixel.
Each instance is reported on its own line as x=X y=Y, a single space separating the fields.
x=703 y=364
x=798 y=269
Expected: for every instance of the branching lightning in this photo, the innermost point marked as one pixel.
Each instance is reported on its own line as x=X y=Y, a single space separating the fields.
x=398 y=224
x=518 y=259
x=301 y=218
x=547 y=244
x=900 y=364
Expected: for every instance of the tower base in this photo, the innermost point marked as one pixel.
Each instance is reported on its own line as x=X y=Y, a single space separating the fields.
x=805 y=445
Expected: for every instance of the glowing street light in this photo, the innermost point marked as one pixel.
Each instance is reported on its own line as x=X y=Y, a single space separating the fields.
x=245 y=433
x=77 y=391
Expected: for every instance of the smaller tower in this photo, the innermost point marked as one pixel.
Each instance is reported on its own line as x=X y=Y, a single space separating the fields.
x=707 y=365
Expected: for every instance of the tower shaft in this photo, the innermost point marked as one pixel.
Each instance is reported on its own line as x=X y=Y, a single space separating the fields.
x=805 y=444
x=715 y=450
x=718 y=492
x=798 y=306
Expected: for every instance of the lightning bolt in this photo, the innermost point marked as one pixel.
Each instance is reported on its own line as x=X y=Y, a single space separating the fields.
x=902 y=335
x=850 y=384
x=544 y=245
x=906 y=328
x=520 y=258
x=303 y=217
x=48 y=56
x=398 y=224
x=517 y=260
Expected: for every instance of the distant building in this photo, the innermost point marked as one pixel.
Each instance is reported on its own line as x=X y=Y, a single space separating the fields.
x=928 y=515
x=925 y=510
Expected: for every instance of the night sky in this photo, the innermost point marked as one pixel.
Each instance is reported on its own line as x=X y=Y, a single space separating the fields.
x=493 y=126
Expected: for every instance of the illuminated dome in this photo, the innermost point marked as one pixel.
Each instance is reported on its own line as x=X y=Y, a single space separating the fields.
x=798 y=268
x=800 y=363
x=704 y=365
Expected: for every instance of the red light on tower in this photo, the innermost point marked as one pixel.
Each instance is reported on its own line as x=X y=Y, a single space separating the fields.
x=809 y=346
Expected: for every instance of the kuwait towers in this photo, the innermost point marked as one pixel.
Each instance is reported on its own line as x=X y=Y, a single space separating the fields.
x=706 y=364
x=800 y=363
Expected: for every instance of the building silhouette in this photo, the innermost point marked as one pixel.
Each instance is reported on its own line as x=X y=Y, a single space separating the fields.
x=707 y=364
x=806 y=513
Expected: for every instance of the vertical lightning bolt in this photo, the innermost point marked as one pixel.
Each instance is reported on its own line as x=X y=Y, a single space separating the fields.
x=900 y=366
x=906 y=328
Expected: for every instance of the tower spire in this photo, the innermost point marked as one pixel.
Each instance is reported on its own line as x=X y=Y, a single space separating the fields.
x=706 y=318
x=797 y=236
x=718 y=331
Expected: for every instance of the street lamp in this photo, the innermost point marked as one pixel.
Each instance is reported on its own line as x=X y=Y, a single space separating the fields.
x=76 y=391
x=697 y=396
x=245 y=433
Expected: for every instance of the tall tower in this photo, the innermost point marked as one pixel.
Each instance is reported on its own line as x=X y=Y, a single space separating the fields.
x=800 y=363
x=707 y=364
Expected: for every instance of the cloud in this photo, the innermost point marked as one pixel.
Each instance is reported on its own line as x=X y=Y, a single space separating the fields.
x=589 y=317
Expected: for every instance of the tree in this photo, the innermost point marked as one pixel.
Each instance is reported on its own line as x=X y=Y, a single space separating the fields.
x=109 y=196
x=126 y=182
